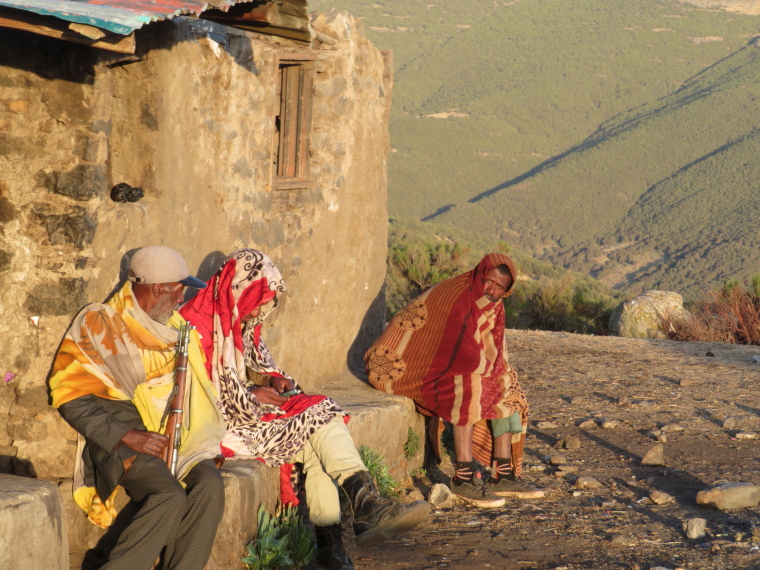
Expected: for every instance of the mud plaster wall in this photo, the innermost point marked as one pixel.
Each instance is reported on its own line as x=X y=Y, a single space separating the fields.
x=192 y=123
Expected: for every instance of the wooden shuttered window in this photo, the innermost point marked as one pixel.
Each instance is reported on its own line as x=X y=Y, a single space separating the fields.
x=293 y=125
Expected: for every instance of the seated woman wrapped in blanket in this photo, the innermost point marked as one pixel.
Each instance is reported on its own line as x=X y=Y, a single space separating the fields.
x=264 y=422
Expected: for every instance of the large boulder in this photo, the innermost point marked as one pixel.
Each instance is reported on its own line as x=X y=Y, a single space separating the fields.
x=642 y=317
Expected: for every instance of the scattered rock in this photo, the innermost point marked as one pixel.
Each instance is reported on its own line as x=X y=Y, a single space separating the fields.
x=567 y=469
x=414 y=495
x=660 y=498
x=623 y=401
x=655 y=456
x=654 y=433
x=746 y=435
x=587 y=424
x=569 y=442
x=609 y=424
x=755 y=358
x=441 y=496
x=619 y=539
x=685 y=382
x=709 y=353
x=576 y=400
x=694 y=528
x=670 y=428
x=729 y=423
x=730 y=496
x=587 y=483
x=557 y=460
x=546 y=425
x=662 y=438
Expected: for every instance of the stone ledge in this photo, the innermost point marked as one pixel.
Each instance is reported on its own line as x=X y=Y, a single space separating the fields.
x=32 y=524
x=378 y=420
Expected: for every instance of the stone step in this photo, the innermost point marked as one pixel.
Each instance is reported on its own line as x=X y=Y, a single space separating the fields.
x=378 y=420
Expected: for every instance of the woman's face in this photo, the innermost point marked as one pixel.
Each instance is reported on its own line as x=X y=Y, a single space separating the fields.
x=261 y=312
x=252 y=315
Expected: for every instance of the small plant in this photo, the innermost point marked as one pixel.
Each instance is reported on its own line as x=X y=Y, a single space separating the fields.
x=282 y=540
x=419 y=472
x=375 y=464
x=412 y=445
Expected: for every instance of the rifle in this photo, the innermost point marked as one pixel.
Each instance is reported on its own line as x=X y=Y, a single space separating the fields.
x=174 y=411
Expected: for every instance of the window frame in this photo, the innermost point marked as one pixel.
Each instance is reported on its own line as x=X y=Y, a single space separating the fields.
x=292 y=135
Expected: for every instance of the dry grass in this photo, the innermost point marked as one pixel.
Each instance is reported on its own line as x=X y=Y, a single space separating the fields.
x=731 y=315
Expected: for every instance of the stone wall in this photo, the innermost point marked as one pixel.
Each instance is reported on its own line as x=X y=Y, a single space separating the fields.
x=191 y=121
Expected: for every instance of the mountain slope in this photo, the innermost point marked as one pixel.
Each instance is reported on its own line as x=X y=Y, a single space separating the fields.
x=545 y=123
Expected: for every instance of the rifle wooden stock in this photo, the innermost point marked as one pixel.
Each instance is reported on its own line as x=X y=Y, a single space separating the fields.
x=176 y=410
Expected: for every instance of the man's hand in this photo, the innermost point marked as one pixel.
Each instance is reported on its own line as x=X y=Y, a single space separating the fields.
x=282 y=384
x=148 y=442
x=268 y=395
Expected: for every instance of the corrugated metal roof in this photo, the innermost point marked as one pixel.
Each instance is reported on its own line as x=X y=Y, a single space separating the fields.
x=118 y=16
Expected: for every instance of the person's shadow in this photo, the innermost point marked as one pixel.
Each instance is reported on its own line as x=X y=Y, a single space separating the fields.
x=370 y=329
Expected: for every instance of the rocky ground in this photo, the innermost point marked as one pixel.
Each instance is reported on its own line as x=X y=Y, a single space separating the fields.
x=619 y=397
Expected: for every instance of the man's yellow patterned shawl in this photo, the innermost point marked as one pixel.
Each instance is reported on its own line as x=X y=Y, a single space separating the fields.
x=115 y=351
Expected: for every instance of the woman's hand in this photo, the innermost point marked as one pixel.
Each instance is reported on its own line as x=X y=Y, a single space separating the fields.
x=281 y=384
x=268 y=395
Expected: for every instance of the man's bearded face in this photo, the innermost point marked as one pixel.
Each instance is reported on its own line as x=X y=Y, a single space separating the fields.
x=169 y=301
x=495 y=285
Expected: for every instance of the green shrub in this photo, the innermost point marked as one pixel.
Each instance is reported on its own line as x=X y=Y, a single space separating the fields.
x=565 y=304
x=412 y=445
x=282 y=540
x=375 y=464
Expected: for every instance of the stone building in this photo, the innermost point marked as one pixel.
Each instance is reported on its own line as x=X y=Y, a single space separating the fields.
x=257 y=126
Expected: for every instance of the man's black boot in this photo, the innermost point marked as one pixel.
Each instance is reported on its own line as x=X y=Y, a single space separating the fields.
x=330 y=552
x=377 y=519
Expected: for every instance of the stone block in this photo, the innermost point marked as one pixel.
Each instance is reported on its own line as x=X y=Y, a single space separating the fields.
x=378 y=420
x=84 y=182
x=63 y=297
x=32 y=525
x=8 y=211
x=74 y=227
x=247 y=484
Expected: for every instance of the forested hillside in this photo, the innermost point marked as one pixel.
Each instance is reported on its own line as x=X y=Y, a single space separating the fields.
x=612 y=137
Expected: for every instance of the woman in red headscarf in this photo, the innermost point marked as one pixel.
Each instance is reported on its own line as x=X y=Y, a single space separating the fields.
x=267 y=423
x=446 y=351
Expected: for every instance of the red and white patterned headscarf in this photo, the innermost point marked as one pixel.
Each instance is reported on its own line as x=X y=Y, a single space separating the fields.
x=247 y=280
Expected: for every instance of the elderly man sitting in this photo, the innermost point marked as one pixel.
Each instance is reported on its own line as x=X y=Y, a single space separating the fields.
x=111 y=380
x=446 y=351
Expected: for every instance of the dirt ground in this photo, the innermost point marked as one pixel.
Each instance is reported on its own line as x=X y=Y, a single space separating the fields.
x=642 y=385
